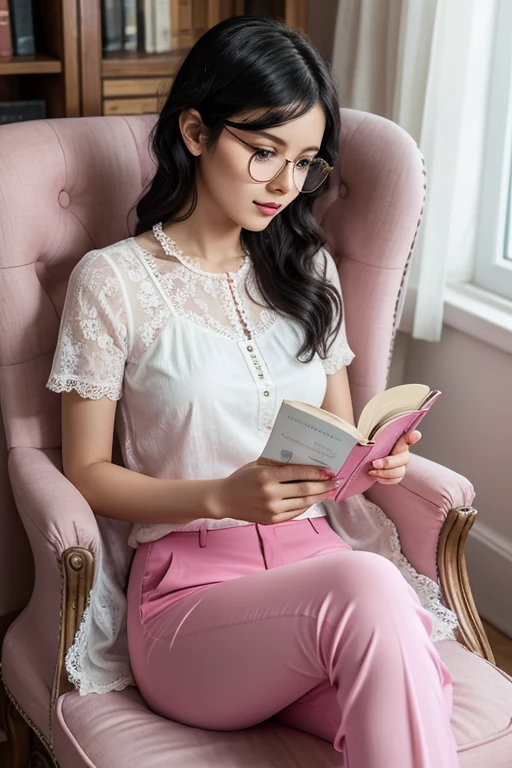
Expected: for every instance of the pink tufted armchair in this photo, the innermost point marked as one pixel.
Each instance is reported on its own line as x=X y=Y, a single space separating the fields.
x=66 y=187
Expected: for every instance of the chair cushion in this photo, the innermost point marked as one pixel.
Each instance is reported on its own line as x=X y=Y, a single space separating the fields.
x=118 y=729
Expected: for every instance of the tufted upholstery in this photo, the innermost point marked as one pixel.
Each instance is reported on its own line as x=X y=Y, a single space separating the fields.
x=68 y=186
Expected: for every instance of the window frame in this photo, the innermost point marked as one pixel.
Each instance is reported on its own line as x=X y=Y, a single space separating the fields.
x=492 y=271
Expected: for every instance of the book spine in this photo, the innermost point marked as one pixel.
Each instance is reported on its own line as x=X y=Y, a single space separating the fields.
x=5 y=29
x=112 y=25
x=19 y=111
x=22 y=25
x=149 y=26
x=162 y=26
x=141 y=29
x=175 y=24
x=199 y=18
x=130 y=25
x=185 y=32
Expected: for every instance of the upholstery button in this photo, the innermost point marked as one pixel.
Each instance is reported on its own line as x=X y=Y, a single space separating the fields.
x=64 y=199
x=266 y=393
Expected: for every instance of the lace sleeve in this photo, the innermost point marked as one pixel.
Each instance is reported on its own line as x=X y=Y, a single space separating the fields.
x=339 y=353
x=92 y=345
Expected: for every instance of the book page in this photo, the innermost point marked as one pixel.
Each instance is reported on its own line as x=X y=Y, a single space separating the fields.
x=402 y=399
x=330 y=418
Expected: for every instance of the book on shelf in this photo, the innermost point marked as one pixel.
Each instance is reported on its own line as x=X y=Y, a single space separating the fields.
x=162 y=26
x=5 y=29
x=19 y=111
x=22 y=27
x=112 y=25
x=306 y=434
x=199 y=18
x=130 y=25
x=182 y=31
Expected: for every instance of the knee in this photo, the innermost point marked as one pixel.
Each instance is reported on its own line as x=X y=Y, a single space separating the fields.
x=370 y=581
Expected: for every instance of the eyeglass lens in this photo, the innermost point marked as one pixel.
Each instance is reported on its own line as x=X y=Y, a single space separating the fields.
x=308 y=173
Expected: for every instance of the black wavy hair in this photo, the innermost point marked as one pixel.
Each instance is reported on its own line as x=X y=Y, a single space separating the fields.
x=255 y=63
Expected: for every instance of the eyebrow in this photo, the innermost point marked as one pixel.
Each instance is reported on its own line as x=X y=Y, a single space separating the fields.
x=280 y=141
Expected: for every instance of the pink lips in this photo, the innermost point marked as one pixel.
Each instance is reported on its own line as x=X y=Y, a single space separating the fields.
x=268 y=209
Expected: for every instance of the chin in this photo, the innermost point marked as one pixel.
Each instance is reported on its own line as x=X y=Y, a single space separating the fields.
x=256 y=226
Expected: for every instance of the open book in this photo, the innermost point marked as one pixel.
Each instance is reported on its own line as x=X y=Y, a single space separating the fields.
x=305 y=434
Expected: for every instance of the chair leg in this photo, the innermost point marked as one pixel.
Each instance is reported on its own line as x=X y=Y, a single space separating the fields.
x=453 y=577
x=18 y=735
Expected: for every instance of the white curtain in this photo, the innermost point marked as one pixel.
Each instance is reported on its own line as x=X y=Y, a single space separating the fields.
x=425 y=65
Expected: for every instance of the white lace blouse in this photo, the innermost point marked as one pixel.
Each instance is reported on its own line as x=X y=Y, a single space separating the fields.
x=200 y=366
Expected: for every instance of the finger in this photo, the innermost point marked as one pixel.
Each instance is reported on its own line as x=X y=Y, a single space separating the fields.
x=293 y=473
x=305 y=502
x=394 y=481
x=388 y=474
x=393 y=461
x=405 y=441
x=298 y=490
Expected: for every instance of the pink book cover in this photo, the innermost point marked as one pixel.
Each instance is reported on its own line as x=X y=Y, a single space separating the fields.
x=359 y=462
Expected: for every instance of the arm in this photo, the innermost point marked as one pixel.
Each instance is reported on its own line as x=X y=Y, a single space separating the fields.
x=337 y=398
x=114 y=491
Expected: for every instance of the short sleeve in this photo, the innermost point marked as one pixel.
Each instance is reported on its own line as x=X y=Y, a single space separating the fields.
x=339 y=352
x=91 y=348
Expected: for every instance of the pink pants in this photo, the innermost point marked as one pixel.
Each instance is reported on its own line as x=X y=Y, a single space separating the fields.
x=232 y=626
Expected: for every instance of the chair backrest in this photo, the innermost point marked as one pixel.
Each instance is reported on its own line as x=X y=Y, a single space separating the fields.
x=67 y=186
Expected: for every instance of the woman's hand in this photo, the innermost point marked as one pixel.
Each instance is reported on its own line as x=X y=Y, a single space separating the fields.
x=269 y=494
x=391 y=469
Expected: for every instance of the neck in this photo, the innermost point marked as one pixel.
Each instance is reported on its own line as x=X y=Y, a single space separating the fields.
x=208 y=234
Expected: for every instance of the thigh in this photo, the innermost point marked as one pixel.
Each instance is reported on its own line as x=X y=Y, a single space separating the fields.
x=214 y=631
x=234 y=654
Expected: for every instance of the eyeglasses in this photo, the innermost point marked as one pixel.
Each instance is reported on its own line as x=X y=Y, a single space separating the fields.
x=266 y=164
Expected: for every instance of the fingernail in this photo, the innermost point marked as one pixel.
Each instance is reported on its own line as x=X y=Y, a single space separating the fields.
x=378 y=464
x=339 y=482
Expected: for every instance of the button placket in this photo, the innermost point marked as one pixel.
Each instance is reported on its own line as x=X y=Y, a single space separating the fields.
x=264 y=384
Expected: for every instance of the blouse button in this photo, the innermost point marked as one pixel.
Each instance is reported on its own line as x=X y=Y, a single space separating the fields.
x=249 y=349
x=260 y=376
x=266 y=393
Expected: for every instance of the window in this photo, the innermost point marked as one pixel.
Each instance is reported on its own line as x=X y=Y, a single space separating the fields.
x=493 y=263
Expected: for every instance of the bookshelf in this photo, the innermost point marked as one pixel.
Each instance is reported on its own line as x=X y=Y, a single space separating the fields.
x=52 y=74
x=75 y=77
x=135 y=82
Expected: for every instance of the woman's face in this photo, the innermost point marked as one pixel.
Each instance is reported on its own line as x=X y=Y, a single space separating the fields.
x=223 y=177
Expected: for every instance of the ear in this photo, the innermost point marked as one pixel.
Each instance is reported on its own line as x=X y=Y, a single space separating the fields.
x=193 y=131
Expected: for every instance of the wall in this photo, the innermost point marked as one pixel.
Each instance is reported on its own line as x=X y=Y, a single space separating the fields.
x=469 y=431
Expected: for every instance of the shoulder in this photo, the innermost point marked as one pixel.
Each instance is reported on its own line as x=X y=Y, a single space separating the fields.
x=103 y=265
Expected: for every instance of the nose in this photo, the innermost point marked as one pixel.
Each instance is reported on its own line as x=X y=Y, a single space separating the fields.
x=283 y=182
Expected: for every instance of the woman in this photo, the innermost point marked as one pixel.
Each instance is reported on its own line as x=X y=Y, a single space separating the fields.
x=243 y=603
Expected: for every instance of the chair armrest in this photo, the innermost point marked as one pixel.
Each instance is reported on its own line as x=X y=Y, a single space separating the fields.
x=57 y=519
x=52 y=503
x=419 y=506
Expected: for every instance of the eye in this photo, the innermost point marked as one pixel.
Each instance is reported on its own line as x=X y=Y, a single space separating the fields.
x=304 y=164
x=264 y=154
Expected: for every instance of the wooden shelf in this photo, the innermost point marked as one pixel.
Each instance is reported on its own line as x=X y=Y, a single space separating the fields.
x=140 y=64
x=30 y=65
